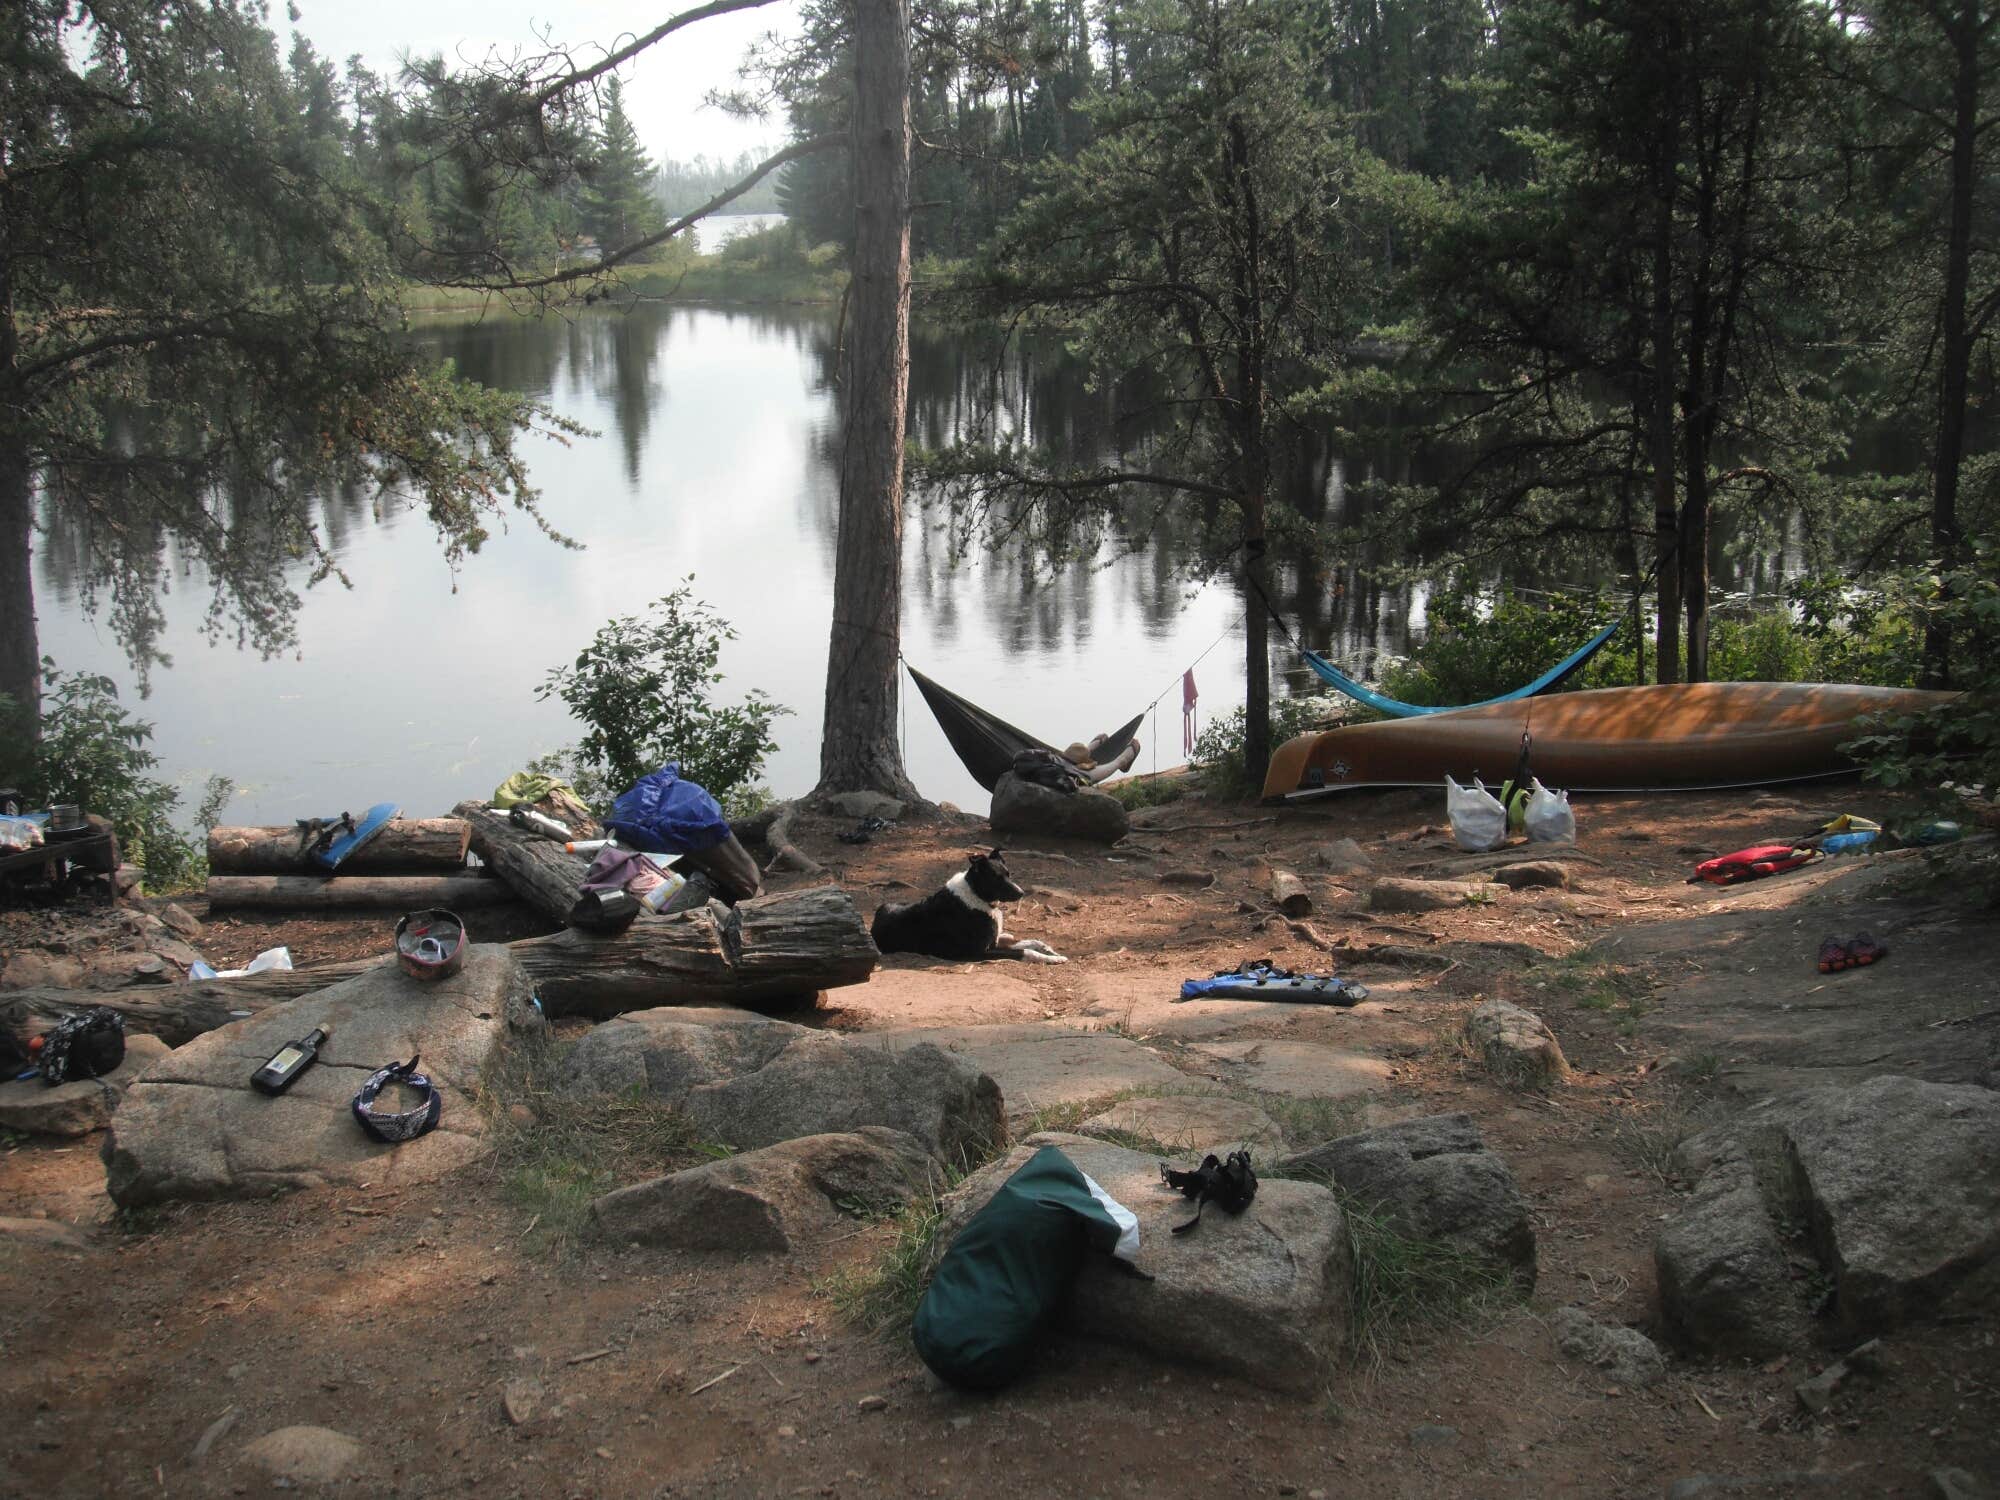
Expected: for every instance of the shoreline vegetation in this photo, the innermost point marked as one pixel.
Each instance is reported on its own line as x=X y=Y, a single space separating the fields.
x=772 y=267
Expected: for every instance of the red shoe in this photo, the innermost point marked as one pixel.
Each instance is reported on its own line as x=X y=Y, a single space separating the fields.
x=1863 y=951
x=1832 y=955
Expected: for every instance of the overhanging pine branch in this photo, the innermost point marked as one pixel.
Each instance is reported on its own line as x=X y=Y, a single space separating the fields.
x=638 y=247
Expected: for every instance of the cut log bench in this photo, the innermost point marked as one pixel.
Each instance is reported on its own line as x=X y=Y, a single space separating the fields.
x=404 y=846
x=343 y=892
x=776 y=948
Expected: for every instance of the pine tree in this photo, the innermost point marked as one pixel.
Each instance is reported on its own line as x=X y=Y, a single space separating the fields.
x=618 y=204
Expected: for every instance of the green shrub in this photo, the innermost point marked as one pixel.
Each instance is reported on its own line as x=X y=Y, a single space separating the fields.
x=1467 y=656
x=643 y=686
x=1828 y=630
x=91 y=752
x=1951 y=751
x=1218 y=749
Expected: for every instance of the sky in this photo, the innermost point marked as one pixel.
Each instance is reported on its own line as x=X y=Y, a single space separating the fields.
x=664 y=86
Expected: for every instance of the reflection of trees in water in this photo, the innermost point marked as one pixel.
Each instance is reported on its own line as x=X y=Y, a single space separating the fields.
x=610 y=354
x=1157 y=548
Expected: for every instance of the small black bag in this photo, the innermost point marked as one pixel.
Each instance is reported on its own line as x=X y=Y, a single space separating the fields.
x=87 y=1045
x=1046 y=768
x=1230 y=1183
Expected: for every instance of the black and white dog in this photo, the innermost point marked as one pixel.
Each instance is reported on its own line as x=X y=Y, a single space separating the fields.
x=961 y=921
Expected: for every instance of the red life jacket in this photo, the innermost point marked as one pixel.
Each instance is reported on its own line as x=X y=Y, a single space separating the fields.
x=1751 y=864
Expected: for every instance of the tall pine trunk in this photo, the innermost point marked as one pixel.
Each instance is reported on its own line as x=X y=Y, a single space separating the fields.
x=1955 y=355
x=858 y=749
x=1660 y=429
x=20 y=650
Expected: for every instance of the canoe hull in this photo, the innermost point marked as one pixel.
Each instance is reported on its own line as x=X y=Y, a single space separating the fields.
x=1663 y=737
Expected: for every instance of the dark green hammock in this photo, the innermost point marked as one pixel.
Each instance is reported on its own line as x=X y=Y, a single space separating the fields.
x=988 y=744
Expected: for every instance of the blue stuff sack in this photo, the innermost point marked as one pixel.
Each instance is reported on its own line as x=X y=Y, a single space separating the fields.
x=663 y=814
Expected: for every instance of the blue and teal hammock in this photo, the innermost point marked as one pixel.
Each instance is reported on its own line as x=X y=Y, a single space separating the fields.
x=1396 y=708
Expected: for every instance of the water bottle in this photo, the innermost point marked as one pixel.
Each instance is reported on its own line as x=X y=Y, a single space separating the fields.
x=1856 y=842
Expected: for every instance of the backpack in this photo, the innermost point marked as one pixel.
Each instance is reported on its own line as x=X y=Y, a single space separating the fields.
x=88 y=1044
x=1753 y=863
x=1005 y=1277
x=1046 y=768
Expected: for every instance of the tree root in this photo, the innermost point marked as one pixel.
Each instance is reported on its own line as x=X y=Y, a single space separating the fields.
x=786 y=855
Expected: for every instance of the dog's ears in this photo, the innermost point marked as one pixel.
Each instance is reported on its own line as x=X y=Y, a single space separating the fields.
x=979 y=859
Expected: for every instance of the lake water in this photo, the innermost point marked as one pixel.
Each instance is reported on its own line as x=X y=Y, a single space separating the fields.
x=713 y=460
x=712 y=233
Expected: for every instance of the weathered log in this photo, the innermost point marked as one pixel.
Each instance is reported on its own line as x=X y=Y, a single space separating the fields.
x=773 y=948
x=541 y=872
x=403 y=846
x=356 y=892
x=1289 y=894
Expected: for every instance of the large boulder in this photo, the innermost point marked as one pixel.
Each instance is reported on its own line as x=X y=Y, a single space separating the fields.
x=748 y=1081
x=1433 y=1179
x=1899 y=1183
x=1263 y=1294
x=1023 y=807
x=77 y=1108
x=1515 y=1045
x=192 y=1127
x=1724 y=1279
x=1889 y=1190
x=772 y=1198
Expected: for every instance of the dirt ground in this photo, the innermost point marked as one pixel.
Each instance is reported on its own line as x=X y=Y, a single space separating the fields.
x=400 y=1317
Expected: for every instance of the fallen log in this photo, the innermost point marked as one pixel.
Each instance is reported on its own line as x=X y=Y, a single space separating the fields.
x=775 y=948
x=403 y=846
x=356 y=892
x=1289 y=894
x=174 y=1013
x=540 y=871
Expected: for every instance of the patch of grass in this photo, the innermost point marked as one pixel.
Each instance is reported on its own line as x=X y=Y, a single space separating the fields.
x=1149 y=791
x=1314 y=1121
x=1592 y=983
x=881 y=1296
x=1649 y=1132
x=1702 y=1069
x=145 y=1219
x=569 y=1149
x=1064 y=1116
x=1402 y=1285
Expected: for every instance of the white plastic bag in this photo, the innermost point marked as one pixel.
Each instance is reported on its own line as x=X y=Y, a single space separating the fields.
x=1549 y=819
x=1478 y=821
x=270 y=958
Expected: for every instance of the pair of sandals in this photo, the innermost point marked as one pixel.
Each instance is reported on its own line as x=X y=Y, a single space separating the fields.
x=1857 y=952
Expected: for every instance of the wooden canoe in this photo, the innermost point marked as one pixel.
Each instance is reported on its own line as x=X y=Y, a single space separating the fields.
x=1676 y=735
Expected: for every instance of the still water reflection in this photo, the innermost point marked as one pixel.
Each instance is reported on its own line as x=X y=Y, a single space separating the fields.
x=713 y=460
